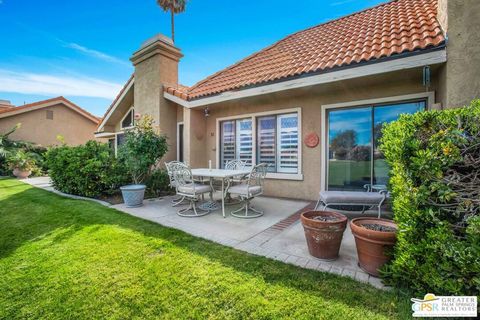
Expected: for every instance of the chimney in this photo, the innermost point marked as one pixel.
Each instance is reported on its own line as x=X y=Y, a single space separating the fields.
x=156 y=64
x=5 y=105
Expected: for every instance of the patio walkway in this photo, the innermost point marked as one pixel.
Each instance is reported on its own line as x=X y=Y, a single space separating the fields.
x=277 y=235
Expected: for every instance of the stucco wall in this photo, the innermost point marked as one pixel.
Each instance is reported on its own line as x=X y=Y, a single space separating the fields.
x=36 y=128
x=310 y=101
x=460 y=78
x=156 y=65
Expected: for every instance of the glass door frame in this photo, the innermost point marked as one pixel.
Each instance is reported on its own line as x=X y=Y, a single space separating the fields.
x=427 y=97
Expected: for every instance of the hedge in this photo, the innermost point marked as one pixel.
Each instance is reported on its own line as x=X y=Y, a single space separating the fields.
x=88 y=170
x=435 y=183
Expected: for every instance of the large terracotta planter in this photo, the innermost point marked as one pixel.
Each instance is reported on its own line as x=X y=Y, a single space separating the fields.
x=372 y=244
x=21 y=174
x=324 y=237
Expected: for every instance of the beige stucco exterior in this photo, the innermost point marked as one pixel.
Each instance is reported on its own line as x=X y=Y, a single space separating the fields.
x=201 y=134
x=35 y=127
x=454 y=82
x=459 y=78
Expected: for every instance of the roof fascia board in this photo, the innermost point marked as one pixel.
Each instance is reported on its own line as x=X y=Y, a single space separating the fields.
x=418 y=60
x=120 y=99
x=46 y=105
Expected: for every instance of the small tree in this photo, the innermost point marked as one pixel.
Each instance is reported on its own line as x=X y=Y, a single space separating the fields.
x=142 y=149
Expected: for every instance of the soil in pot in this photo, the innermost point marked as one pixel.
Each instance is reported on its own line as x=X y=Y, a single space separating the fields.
x=373 y=238
x=324 y=233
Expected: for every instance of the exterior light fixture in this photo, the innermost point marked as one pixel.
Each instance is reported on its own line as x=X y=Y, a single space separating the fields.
x=206 y=112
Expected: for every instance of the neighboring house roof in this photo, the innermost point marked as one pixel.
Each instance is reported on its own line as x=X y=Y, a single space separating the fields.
x=45 y=104
x=389 y=29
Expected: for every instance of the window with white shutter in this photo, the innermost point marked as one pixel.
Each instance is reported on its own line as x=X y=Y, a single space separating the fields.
x=244 y=141
x=266 y=142
x=227 y=142
x=276 y=141
x=287 y=143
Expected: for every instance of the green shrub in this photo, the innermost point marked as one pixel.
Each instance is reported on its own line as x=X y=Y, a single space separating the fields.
x=22 y=160
x=141 y=150
x=158 y=183
x=435 y=178
x=87 y=170
x=15 y=150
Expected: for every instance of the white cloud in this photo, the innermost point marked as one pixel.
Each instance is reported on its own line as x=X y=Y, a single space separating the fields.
x=94 y=53
x=44 y=84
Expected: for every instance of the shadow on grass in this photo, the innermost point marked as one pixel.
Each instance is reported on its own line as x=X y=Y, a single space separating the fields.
x=27 y=214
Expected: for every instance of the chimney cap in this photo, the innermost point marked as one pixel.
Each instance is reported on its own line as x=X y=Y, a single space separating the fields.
x=157 y=37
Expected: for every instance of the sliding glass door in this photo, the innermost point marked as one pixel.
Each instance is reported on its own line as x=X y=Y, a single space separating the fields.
x=354 y=158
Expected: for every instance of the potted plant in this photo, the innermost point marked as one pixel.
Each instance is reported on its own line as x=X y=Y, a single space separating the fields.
x=373 y=238
x=324 y=233
x=21 y=163
x=142 y=149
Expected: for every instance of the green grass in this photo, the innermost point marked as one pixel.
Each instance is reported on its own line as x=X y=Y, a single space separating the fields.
x=350 y=170
x=64 y=258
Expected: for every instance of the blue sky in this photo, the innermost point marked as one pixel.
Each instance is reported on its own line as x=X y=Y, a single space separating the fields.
x=80 y=49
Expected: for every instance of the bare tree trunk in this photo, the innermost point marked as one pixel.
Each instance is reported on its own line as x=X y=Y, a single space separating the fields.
x=173 y=25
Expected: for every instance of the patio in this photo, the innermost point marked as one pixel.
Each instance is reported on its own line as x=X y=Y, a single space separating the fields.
x=277 y=235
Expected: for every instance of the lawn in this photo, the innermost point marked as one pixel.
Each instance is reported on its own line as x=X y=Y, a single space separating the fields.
x=63 y=258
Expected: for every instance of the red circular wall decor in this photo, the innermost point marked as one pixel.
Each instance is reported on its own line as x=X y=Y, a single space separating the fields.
x=311 y=140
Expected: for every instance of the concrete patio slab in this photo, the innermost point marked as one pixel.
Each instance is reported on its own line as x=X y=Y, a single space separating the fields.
x=292 y=241
x=239 y=230
x=277 y=235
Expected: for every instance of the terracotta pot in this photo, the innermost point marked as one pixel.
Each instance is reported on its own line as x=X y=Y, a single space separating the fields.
x=371 y=244
x=323 y=237
x=21 y=174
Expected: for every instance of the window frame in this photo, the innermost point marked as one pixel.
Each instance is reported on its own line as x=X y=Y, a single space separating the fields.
x=132 y=112
x=254 y=117
x=429 y=97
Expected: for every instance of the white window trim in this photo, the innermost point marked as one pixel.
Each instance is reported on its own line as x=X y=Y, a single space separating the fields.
x=126 y=114
x=178 y=140
x=429 y=96
x=254 y=116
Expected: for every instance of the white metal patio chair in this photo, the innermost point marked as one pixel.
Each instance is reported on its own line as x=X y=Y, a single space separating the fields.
x=234 y=165
x=249 y=189
x=186 y=187
x=171 y=167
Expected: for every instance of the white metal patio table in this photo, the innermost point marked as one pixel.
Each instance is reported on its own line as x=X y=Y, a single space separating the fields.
x=219 y=174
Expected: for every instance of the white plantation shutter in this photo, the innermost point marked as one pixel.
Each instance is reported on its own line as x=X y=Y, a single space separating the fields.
x=287 y=143
x=244 y=141
x=276 y=142
x=227 y=142
x=266 y=142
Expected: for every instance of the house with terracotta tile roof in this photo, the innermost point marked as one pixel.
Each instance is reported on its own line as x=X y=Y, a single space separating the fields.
x=43 y=121
x=311 y=105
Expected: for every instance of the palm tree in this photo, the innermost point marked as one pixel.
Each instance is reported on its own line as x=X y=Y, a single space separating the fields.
x=174 y=6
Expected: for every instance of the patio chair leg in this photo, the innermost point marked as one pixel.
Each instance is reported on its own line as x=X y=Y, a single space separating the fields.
x=247 y=207
x=192 y=207
x=316 y=205
x=176 y=202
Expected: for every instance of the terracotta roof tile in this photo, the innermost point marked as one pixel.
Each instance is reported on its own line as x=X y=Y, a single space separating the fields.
x=388 y=29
